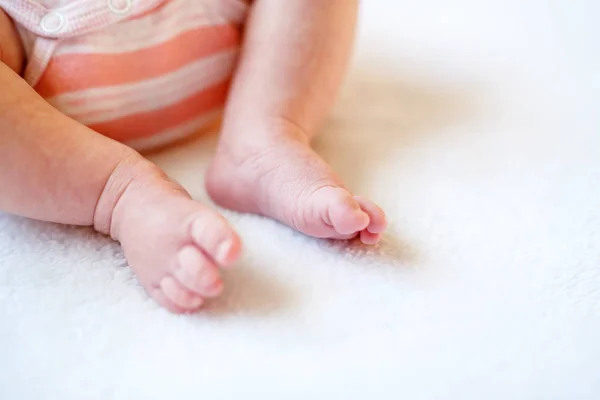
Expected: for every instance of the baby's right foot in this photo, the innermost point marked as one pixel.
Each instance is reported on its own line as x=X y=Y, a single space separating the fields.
x=283 y=178
x=173 y=244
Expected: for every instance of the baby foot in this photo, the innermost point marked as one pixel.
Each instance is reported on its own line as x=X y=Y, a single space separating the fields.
x=286 y=180
x=172 y=243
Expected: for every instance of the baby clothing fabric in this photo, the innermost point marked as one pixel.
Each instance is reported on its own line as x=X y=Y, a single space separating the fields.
x=141 y=72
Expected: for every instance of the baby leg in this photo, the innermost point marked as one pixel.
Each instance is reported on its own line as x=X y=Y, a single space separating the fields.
x=55 y=169
x=284 y=87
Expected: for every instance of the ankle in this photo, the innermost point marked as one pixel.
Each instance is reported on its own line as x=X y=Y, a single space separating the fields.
x=128 y=174
x=273 y=130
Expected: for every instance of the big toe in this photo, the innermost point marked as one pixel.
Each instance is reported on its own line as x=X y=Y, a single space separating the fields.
x=377 y=218
x=345 y=214
x=212 y=233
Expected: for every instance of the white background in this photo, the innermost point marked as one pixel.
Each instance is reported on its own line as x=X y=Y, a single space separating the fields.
x=476 y=125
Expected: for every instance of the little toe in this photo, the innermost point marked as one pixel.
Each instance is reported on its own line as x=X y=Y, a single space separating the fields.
x=346 y=215
x=159 y=296
x=349 y=236
x=194 y=271
x=377 y=219
x=179 y=295
x=370 y=238
x=213 y=234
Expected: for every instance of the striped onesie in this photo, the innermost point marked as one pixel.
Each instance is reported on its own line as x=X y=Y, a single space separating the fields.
x=143 y=72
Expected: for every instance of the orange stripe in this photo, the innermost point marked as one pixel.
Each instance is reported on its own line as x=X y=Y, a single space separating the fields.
x=72 y=72
x=150 y=123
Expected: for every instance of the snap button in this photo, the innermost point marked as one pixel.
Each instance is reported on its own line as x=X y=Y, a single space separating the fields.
x=52 y=22
x=119 y=6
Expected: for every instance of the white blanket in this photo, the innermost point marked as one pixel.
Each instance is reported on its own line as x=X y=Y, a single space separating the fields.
x=476 y=125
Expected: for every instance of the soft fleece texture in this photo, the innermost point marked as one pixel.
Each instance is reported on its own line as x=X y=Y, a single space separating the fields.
x=476 y=126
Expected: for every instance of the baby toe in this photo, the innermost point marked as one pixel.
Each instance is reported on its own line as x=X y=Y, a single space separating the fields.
x=194 y=271
x=179 y=295
x=213 y=234
x=377 y=219
x=346 y=215
x=350 y=236
x=369 y=238
x=159 y=296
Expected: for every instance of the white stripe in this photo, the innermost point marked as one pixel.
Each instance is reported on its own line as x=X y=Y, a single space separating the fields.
x=92 y=106
x=175 y=133
x=175 y=18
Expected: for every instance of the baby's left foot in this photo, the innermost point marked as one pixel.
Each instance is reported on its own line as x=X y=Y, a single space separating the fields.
x=283 y=178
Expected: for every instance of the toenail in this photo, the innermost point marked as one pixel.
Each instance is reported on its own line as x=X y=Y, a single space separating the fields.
x=197 y=230
x=214 y=287
x=209 y=280
x=196 y=302
x=223 y=250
